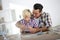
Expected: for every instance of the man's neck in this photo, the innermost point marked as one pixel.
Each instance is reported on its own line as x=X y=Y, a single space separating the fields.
x=38 y=17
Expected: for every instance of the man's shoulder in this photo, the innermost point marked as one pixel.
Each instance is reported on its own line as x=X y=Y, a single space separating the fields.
x=44 y=14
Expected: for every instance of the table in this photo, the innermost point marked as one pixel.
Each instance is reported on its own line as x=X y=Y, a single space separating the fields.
x=46 y=36
x=39 y=37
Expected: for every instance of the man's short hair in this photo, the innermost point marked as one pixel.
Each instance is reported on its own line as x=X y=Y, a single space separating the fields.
x=38 y=6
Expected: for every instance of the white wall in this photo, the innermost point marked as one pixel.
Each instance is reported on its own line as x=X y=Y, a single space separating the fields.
x=6 y=13
x=50 y=6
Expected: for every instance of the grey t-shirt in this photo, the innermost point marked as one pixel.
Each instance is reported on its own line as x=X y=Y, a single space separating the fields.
x=37 y=20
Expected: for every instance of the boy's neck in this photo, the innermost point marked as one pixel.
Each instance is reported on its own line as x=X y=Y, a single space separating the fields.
x=27 y=21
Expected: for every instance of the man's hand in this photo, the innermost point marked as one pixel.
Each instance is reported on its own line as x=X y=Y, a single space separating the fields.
x=44 y=29
x=32 y=30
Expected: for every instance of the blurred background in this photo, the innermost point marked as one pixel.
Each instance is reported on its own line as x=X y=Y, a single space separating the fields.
x=11 y=12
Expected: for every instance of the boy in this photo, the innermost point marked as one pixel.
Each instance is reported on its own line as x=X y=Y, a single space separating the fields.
x=27 y=23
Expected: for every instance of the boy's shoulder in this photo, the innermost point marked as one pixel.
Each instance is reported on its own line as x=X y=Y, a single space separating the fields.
x=22 y=20
x=33 y=20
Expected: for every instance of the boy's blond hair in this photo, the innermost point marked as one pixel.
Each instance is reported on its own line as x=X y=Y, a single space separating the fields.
x=26 y=12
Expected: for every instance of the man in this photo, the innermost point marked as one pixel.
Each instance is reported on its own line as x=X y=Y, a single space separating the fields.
x=43 y=19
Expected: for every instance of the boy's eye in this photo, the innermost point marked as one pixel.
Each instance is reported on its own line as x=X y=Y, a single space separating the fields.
x=27 y=17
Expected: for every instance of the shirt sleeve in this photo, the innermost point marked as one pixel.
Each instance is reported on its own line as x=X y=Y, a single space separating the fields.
x=48 y=21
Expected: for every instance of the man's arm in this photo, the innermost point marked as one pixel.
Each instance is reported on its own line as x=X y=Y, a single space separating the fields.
x=46 y=27
x=43 y=29
x=47 y=22
x=34 y=30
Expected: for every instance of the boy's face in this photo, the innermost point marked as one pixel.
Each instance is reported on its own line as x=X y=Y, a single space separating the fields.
x=27 y=18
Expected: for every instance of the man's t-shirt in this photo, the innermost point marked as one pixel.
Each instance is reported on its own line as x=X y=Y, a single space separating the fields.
x=37 y=20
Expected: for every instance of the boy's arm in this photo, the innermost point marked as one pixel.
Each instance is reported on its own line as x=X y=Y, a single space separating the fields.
x=19 y=25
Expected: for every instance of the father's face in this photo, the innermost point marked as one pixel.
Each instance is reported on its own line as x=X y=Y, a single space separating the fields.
x=36 y=13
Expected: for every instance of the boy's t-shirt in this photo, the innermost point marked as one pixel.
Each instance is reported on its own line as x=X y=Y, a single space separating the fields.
x=31 y=23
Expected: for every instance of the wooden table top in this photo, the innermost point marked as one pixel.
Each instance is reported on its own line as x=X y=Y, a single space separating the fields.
x=38 y=37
